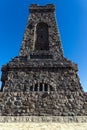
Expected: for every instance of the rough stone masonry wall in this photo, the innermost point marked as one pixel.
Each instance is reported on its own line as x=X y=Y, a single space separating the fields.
x=67 y=99
x=61 y=79
x=38 y=103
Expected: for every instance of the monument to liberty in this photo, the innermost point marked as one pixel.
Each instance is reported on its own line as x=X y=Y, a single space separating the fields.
x=40 y=81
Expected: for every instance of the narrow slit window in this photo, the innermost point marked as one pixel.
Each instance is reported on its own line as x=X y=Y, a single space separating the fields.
x=41 y=87
x=36 y=87
x=46 y=87
x=31 y=88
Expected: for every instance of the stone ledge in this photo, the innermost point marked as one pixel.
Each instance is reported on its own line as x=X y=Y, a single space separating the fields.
x=43 y=119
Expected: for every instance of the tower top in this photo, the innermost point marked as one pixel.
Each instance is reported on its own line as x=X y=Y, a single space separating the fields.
x=36 y=8
x=41 y=38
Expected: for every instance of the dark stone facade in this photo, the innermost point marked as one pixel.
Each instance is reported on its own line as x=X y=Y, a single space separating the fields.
x=41 y=81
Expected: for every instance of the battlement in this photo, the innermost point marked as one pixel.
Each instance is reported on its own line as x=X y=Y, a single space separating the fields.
x=36 y=8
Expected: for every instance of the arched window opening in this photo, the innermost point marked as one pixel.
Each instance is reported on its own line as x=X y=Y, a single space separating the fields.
x=45 y=87
x=36 y=87
x=41 y=87
x=42 y=37
x=31 y=88
x=51 y=88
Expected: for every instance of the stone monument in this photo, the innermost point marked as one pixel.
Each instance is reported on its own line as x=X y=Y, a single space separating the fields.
x=40 y=81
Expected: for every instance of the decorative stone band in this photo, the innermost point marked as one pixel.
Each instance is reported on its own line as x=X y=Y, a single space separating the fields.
x=38 y=119
x=39 y=64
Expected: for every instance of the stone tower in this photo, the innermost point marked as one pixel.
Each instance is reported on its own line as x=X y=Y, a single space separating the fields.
x=41 y=81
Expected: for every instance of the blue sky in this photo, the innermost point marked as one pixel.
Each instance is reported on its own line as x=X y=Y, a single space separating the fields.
x=72 y=22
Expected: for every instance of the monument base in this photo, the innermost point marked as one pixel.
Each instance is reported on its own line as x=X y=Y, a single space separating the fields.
x=43 y=123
